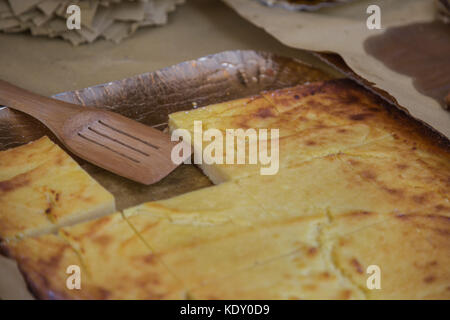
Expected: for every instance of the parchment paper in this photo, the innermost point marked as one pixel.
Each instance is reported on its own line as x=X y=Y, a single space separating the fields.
x=343 y=30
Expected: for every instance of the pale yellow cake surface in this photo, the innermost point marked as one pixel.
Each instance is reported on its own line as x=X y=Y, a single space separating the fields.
x=42 y=187
x=304 y=274
x=204 y=235
x=412 y=253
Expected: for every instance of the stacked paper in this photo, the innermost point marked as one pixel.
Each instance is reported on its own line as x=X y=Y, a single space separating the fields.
x=443 y=7
x=302 y=5
x=110 y=19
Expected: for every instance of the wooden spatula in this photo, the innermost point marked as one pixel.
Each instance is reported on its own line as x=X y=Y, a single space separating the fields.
x=106 y=139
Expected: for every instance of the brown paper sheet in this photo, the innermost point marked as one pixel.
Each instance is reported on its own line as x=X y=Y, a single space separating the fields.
x=4 y=6
x=48 y=6
x=443 y=7
x=89 y=10
x=22 y=6
x=129 y=11
x=342 y=29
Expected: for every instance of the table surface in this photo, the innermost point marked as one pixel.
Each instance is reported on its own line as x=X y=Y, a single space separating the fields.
x=195 y=29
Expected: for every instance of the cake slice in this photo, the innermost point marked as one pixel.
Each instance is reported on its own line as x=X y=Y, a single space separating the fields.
x=43 y=188
x=113 y=261
x=199 y=253
x=213 y=232
x=313 y=120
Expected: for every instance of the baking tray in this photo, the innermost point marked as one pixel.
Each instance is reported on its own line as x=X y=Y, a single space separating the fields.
x=150 y=97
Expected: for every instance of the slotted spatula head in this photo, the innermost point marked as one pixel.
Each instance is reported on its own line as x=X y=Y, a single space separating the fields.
x=106 y=139
x=119 y=144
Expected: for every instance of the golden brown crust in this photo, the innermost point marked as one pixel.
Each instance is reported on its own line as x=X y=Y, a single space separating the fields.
x=346 y=99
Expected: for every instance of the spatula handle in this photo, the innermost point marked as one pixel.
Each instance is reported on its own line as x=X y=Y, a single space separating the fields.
x=49 y=111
